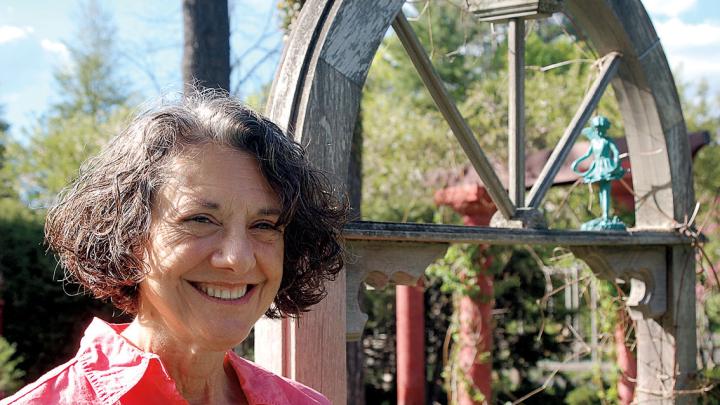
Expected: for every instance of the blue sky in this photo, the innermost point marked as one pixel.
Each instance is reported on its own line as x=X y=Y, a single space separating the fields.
x=33 y=34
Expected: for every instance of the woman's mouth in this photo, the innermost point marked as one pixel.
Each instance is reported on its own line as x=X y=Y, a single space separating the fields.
x=222 y=292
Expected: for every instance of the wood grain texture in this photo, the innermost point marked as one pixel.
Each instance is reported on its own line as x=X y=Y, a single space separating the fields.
x=379 y=263
x=516 y=111
x=316 y=95
x=294 y=63
x=666 y=347
x=500 y=10
x=433 y=233
x=643 y=268
x=351 y=41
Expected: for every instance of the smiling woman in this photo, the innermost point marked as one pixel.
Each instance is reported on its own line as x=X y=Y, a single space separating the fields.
x=198 y=219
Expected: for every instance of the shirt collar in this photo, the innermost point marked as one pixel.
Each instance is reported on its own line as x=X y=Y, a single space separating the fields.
x=257 y=383
x=113 y=366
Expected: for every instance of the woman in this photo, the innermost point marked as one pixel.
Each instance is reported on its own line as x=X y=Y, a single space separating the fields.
x=198 y=219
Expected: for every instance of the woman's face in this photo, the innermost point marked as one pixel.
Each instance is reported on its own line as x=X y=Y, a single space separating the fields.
x=215 y=254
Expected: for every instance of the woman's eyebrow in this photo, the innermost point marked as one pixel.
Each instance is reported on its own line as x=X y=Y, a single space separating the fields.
x=270 y=211
x=206 y=204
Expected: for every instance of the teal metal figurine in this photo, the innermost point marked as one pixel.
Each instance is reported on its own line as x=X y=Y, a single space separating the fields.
x=604 y=169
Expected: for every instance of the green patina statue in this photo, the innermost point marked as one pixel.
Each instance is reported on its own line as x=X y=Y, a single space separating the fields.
x=604 y=168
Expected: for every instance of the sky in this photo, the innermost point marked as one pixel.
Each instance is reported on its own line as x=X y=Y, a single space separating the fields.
x=34 y=38
x=34 y=35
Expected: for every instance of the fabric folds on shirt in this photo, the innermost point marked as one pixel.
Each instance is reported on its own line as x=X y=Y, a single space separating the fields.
x=109 y=370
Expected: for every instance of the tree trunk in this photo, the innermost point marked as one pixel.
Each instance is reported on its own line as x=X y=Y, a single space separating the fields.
x=206 y=48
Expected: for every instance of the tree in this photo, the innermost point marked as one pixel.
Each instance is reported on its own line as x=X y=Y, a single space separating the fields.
x=10 y=374
x=90 y=85
x=206 y=46
x=44 y=321
x=92 y=107
x=5 y=183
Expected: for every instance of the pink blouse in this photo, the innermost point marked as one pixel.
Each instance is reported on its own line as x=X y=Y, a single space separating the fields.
x=109 y=370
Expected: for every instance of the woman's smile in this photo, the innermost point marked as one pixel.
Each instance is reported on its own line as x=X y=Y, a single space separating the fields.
x=225 y=293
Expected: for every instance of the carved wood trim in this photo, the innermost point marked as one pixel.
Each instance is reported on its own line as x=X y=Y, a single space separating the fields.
x=644 y=268
x=379 y=263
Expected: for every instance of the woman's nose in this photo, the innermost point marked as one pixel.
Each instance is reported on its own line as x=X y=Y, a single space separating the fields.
x=235 y=253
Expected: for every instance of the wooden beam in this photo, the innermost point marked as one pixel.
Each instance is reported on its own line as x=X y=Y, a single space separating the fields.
x=449 y=110
x=561 y=151
x=433 y=233
x=501 y=10
x=379 y=263
x=516 y=111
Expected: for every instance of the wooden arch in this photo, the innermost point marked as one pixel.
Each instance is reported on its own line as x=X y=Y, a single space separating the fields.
x=316 y=94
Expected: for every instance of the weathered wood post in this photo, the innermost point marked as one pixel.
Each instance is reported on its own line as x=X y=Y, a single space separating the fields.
x=316 y=95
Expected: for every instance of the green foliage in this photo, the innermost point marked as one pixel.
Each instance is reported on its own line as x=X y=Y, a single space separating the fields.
x=710 y=377
x=10 y=374
x=460 y=268
x=583 y=395
x=56 y=147
x=45 y=323
x=6 y=189
x=525 y=333
x=289 y=11
x=712 y=310
x=702 y=113
x=42 y=319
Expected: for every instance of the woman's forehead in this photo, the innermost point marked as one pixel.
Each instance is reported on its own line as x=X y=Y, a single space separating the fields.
x=210 y=170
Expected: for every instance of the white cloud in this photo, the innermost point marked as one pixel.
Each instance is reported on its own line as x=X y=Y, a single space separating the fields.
x=678 y=34
x=54 y=46
x=668 y=8
x=692 y=67
x=9 y=33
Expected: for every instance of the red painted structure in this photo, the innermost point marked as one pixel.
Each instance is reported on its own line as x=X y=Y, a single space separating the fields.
x=475 y=337
x=410 y=337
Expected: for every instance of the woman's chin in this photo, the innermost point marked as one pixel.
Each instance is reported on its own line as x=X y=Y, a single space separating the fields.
x=222 y=340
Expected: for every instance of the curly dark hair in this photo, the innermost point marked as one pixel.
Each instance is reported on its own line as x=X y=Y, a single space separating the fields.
x=100 y=223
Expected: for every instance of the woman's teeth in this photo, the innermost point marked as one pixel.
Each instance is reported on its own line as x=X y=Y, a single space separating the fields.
x=223 y=292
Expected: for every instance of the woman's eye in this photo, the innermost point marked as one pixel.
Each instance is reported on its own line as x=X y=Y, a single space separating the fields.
x=271 y=226
x=201 y=219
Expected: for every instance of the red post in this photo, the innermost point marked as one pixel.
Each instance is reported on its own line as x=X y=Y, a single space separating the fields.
x=626 y=361
x=476 y=343
x=624 y=199
x=475 y=357
x=410 y=324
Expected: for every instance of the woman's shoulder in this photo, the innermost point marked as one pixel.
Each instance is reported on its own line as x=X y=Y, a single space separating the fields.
x=61 y=385
x=262 y=386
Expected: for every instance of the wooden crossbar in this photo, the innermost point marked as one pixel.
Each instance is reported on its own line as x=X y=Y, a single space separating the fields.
x=433 y=233
x=455 y=120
